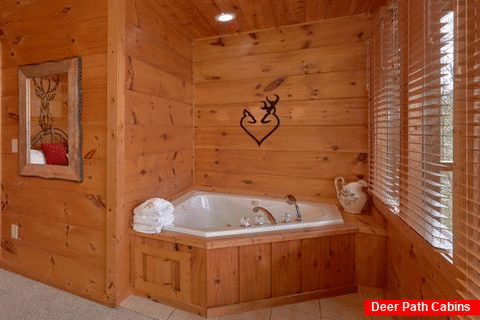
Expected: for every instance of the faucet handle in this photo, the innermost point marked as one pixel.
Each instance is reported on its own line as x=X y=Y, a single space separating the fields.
x=245 y=222
x=259 y=220
x=288 y=217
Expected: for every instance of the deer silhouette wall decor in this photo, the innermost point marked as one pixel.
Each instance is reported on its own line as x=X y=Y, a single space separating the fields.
x=261 y=130
x=45 y=88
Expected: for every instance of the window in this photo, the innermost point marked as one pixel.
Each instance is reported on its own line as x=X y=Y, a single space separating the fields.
x=428 y=171
x=411 y=62
x=384 y=164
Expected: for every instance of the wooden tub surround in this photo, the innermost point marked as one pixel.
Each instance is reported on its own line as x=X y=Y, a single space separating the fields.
x=225 y=275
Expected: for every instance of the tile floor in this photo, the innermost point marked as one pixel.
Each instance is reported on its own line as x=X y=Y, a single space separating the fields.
x=346 y=307
x=25 y=299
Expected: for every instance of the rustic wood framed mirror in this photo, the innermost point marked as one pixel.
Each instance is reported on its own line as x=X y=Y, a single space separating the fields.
x=50 y=130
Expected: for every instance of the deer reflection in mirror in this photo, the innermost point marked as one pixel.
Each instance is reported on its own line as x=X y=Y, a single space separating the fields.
x=49 y=144
x=50 y=127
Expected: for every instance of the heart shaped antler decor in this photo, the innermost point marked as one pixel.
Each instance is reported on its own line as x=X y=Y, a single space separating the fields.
x=260 y=131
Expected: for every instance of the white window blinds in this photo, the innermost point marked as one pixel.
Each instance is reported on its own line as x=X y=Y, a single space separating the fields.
x=411 y=134
x=467 y=143
x=384 y=130
x=425 y=175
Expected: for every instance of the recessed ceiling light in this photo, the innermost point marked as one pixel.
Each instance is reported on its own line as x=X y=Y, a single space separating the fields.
x=225 y=16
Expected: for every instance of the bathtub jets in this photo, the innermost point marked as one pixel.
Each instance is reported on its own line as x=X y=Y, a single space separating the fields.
x=291 y=200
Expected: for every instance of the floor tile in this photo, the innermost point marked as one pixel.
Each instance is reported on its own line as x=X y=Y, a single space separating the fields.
x=353 y=298
x=342 y=308
x=147 y=307
x=124 y=314
x=263 y=314
x=22 y=298
x=183 y=315
x=312 y=307
x=285 y=313
x=370 y=293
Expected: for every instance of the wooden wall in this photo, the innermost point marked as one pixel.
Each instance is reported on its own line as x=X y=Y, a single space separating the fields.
x=318 y=70
x=62 y=223
x=414 y=270
x=158 y=107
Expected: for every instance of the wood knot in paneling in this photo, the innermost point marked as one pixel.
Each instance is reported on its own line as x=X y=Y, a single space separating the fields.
x=274 y=84
x=265 y=68
x=130 y=73
x=96 y=200
x=207 y=77
x=13 y=115
x=307 y=29
x=90 y=154
x=134 y=118
x=8 y=246
x=411 y=252
x=18 y=39
x=362 y=157
x=219 y=42
x=92 y=247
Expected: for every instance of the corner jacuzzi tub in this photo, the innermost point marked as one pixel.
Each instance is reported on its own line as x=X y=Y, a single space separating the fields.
x=208 y=214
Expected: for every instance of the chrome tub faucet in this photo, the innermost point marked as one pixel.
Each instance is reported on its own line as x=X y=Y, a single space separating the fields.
x=267 y=213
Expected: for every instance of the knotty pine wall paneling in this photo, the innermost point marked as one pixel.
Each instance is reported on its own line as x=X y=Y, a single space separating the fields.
x=1 y=108
x=62 y=223
x=414 y=270
x=318 y=70
x=159 y=124
x=117 y=253
x=158 y=108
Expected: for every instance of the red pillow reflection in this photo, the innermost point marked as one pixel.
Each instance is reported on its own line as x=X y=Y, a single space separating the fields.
x=55 y=153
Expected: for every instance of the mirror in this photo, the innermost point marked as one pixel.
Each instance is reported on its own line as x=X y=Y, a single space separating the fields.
x=50 y=120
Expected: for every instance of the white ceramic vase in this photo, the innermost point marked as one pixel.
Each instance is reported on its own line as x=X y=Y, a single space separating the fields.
x=351 y=196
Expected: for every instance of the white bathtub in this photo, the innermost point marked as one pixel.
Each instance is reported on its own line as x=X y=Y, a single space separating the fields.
x=207 y=214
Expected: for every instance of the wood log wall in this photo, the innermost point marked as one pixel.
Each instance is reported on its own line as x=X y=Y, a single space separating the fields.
x=414 y=270
x=158 y=109
x=318 y=70
x=62 y=223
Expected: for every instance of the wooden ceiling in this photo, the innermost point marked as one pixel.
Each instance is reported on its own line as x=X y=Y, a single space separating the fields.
x=196 y=17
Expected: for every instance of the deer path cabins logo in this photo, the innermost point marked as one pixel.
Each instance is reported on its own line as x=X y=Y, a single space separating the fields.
x=261 y=130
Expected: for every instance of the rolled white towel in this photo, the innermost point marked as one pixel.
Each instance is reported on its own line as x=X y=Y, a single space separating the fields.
x=154 y=207
x=147 y=228
x=164 y=220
